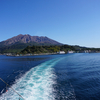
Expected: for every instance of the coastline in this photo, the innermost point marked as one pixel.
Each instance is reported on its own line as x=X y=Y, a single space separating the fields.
x=16 y=55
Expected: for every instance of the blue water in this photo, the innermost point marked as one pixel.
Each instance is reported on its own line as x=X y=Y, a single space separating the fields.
x=51 y=77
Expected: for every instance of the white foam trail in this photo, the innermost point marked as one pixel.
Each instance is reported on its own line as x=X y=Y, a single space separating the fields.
x=36 y=84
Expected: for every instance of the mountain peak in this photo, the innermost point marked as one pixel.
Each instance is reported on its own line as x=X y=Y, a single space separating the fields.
x=21 y=41
x=30 y=39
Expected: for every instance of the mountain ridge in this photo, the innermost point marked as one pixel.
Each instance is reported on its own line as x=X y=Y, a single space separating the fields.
x=28 y=38
x=20 y=42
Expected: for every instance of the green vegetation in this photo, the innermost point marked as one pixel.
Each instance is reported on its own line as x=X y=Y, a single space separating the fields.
x=46 y=49
x=17 y=47
x=54 y=49
x=35 y=48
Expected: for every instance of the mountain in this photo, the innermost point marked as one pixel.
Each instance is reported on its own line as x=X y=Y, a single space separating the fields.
x=17 y=43
x=29 y=39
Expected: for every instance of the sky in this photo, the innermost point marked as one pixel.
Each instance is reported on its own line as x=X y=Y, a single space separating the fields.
x=73 y=22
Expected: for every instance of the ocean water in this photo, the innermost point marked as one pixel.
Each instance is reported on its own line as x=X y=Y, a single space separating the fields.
x=51 y=77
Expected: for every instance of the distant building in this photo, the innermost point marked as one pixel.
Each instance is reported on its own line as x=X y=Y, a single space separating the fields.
x=86 y=51
x=70 y=51
x=61 y=52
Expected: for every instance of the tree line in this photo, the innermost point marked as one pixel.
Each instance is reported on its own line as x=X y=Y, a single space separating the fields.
x=46 y=49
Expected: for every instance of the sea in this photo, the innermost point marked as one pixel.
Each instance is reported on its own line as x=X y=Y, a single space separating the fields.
x=73 y=76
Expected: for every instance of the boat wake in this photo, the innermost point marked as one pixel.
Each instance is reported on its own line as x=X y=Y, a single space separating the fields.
x=36 y=84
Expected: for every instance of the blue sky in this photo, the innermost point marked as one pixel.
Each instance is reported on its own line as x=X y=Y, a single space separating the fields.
x=73 y=22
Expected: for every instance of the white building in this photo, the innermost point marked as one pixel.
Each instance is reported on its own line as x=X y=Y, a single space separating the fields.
x=70 y=51
x=61 y=52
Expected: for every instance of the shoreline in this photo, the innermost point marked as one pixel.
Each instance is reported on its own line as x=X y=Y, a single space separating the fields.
x=17 y=55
